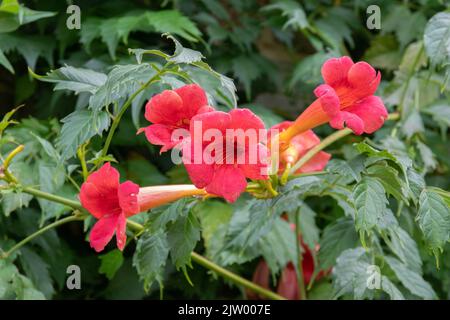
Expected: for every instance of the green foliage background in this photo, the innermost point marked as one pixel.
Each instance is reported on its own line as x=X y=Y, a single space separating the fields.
x=386 y=192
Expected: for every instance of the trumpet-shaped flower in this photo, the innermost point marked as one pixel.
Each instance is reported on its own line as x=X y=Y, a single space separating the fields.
x=346 y=98
x=111 y=202
x=171 y=110
x=298 y=146
x=223 y=150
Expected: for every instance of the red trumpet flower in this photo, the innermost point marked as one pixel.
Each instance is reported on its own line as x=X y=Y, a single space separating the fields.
x=236 y=152
x=112 y=202
x=345 y=98
x=171 y=110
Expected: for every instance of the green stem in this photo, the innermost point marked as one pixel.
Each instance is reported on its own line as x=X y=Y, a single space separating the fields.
x=8 y=176
x=234 y=277
x=124 y=108
x=300 y=278
x=81 y=153
x=51 y=197
x=322 y=145
x=326 y=142
x=41 y=231
x=139 y=228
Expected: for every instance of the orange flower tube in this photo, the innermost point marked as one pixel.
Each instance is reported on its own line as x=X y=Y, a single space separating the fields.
x=155 y=196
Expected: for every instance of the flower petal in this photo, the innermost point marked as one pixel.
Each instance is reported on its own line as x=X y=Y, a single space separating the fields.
x=128 y=198
x=164 y=108
x=329 y=100
x=308 y=264
x=200 y=173
x=193 y=97
x=245 y=119
x=335 y=70
x=363 y=77
x=288 y=285
x=98 y=194
x=121 y=232
x=261 y=277
x=305 y=141
x=210 y=120
x=317 y=163
x=371 y=111
x=282 y=125
x=258 y=169
x=205 y=109
x=228 y=182
x=160 y=134
x=103 y=231
x=352 y=121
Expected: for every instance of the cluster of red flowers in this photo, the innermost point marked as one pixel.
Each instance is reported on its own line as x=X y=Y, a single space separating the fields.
x=183 y=120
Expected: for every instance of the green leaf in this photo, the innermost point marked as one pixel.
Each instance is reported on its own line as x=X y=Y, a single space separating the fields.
x=405 y=248
x=31 y=47
x=13 y=15
x=391 y=289
x=150 y=257
x=238 y=241
x=370 y=203
x=222 y=85
x=5 y=62
x=182 y=237
x=78 y=127
x=440 y=111
x=394 y=153
x=248 y=68
x=336 y=238
x=413 y=124
x=390 y=180
x=172 y=21
x=278 y=247
x=6 y=120
x=344 y=169
x=416 y=184
x=293 y=11
x=406 y=25
x=38 y=270
x=428 y=158
x=250 y=221
x=137 y=165
x=115 y=29
x=383 y=52
x=74 y=79
x=212 y=214
x=308 y=227
x=350 y=273
x=25 y=290
x=14 y=285
x=437 y=39
x=161 y=216
x=7 y=273
x=51 y=180
x=308 y=69
x=413 y=281
x=182 y=54
x=48 y=148
x=110 y=263
x=122 y=81
x=13 y=200
x=434 y=220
